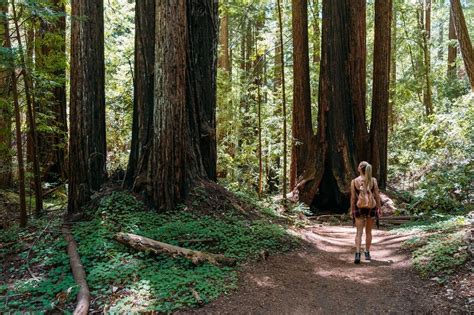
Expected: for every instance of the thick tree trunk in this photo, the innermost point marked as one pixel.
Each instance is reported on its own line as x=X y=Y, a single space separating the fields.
x=381 y=90
x=5 y=108
x=464 y=40
x=19 y=141
x=183 y=147
x=283 y=95
x=142 y=125
x=197 y=257
x=452 y=48
x=302 y=131
x=87 y=145
x=326 y=184
x=50 y=61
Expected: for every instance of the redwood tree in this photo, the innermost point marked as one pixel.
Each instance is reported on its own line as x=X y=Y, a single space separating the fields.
x=381 y=90
x=464 y=40
x=50 y=62
x=302 y=130
x=183 y=147
x=452 y=48
x=326 y=178
x=142 y=125
x=87 y=145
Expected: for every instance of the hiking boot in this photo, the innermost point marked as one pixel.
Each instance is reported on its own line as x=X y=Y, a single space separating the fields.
x=357 y=258
x=367 y=255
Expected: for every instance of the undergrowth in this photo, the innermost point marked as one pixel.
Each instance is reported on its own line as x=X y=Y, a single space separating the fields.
x=122 y=279
x=439 y=247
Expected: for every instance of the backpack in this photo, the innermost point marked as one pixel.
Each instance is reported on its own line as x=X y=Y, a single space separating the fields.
x=365 y=197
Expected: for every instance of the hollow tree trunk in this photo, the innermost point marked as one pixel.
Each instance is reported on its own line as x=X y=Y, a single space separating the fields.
x=143 y=85
x=87 y=145
x=326 y=180
x=183 y=143
x=5 y=108
x=50 y=61
x=464 y=40
x=302 y=130
x=381 y=90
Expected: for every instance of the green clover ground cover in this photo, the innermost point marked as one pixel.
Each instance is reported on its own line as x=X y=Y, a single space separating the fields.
x=439 y=248
x=122 y=279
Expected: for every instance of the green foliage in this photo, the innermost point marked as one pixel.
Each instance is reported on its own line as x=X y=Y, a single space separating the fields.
x=122 y=279
x=438 y=248
x=432 y=158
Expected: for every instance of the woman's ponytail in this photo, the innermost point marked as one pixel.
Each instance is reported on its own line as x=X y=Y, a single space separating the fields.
x=368 y=176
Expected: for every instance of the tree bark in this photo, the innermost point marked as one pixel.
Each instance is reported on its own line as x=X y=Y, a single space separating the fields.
x=326 y=184
x=452 y=48
x=393 y=71
x=197 y=257
x=87 y=145
x=5 y=108
x=19 y=144
x=50 y=61
x=183 y=147
x=464 y=40
x=283 y=92
x=302 y=130
x=224 y=58
x=381 y=90
x=143 y=85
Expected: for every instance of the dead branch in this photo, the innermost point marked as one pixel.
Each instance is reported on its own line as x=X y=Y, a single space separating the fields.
x=83 y=297
x=146 y=244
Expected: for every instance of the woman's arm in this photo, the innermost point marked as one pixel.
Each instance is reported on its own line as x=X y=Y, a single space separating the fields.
x=353 y=198
x=377 y=195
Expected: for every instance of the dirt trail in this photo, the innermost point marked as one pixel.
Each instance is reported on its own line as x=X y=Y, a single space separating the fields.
x=322 y=279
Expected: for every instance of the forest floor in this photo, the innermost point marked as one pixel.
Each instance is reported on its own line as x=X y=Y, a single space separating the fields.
x=321 y=278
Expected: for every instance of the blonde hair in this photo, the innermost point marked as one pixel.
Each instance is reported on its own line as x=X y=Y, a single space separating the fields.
x=366 y=169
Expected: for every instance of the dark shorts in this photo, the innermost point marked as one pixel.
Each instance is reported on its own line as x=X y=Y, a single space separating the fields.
x=365 y=213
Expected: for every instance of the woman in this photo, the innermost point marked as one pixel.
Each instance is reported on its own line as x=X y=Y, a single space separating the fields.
x=365 y=207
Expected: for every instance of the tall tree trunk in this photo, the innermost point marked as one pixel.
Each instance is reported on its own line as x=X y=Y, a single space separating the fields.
x=452 y=48
x=87 y=145
x=381 y=90
x=464 y=40
x=31 y=116
x=357 y=74
x=425 y=27
x=393 y=71
x=326 y=184
x=283 y=92
x=302 y=131
x=19 y=145
x=5 y=107
x=142 y=125
x=224 y=58
x=183 y=145
x=51 y=62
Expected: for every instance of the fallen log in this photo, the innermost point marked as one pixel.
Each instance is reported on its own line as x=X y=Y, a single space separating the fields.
x=147 y=244
x=83 y=297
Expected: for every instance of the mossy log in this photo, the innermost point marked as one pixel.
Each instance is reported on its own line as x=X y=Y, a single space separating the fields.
x=146 y=244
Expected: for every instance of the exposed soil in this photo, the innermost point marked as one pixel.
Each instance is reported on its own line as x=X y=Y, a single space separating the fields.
x=322 y=278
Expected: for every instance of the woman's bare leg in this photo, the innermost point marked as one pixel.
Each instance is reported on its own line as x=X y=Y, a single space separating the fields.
x=368 y=233
x=360 y=222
